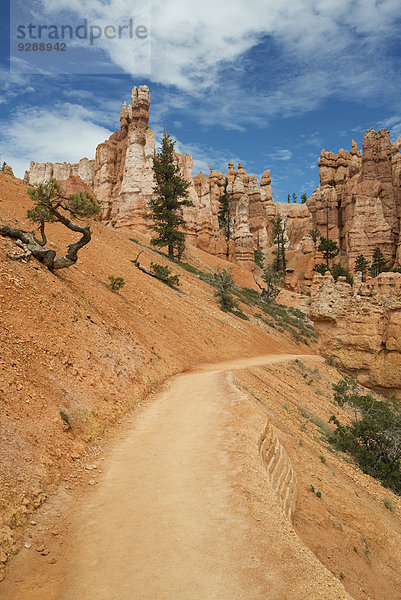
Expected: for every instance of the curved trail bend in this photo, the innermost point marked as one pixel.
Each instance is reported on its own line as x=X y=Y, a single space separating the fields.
x=184 y=510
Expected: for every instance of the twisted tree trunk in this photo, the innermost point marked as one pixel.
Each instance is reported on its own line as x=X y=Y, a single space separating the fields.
x=37 y=249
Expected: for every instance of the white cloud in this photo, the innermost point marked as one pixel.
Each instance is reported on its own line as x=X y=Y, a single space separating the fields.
x=66 y=132
x=282 y=154
x=393 y=123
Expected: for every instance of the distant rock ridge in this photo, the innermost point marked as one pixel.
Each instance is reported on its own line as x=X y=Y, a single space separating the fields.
x=41 y=172
x=121 y=177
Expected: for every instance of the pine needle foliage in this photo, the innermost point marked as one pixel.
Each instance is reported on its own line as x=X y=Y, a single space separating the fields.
x=171 y=194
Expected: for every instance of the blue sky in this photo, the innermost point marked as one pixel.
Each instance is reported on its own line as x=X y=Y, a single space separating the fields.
x=265 y=83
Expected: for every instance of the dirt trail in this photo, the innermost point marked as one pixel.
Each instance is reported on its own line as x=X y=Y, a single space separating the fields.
x=169 y=518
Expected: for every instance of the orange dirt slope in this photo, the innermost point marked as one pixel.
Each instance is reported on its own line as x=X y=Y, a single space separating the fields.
x=68 y=343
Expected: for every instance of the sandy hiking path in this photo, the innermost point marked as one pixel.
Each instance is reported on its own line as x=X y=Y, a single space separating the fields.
x=183 y=510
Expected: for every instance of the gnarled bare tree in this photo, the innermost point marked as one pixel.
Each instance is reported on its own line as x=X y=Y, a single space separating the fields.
x=270 y=291
x=51 y=206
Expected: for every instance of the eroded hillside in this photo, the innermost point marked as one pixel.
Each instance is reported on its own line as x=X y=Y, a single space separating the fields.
x=70 y=344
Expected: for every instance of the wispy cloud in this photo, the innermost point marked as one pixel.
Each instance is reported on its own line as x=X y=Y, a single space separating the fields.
x=66 y=132
x=217 y=58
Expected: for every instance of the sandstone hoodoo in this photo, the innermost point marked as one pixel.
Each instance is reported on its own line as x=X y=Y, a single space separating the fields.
x=358 y=203
x=121 y=177
x=359 y=199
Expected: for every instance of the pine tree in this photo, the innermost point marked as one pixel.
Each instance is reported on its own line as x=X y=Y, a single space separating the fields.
x=294 y=197
x=279 y=231
x=289 y=198
x=304 y=198
x=224 y=211
x=378 y=262
x=171 y=193
x=328 y=248
x=259 y=258
x=225 y=286
x=314 y=234
x=361 y=265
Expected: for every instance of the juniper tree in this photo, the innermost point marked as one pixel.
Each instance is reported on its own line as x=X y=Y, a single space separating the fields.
x=271 y=289
x=171 y=194
x=51 y=206
x=378 y=262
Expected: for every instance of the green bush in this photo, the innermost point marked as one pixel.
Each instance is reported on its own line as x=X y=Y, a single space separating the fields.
x=338 y=271
x=373 y=437
x=259 y=258
x=225 y=288
x=164 y=274
x=116 y=283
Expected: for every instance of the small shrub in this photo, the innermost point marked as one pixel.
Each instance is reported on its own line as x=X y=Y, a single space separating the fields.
x=339 y=271
x=225 y=288
x=65 y=418
x=389 y=504
x=322 y=459
x=319 y=494
x=342 y=576
x=373 y=436
x=241 y=315
x=164 y=274
x=321 y=268
x=365 y=547
x=331 y=361
x=312 y=488
x=116 y=283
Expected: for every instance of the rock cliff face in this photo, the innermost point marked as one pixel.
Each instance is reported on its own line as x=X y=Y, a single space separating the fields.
x=41 y=172
x=121 y=177
x=359 y=326
x=360 y=198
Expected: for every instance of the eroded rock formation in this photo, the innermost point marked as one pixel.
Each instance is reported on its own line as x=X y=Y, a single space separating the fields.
x=41 y=172
x=359 y=198
x=7 y=170
x=359 y=326
x=121 y=177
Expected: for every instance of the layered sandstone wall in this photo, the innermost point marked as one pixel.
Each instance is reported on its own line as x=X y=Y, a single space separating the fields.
x=359 y=326
x=360 y=198
x=41 y=172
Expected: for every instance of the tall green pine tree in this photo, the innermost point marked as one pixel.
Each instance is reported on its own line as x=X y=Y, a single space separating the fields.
x=171 y=193
x=280 y=264
x=361 y=265
x=328 y=248
x=378 y=262
x=224 y=211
